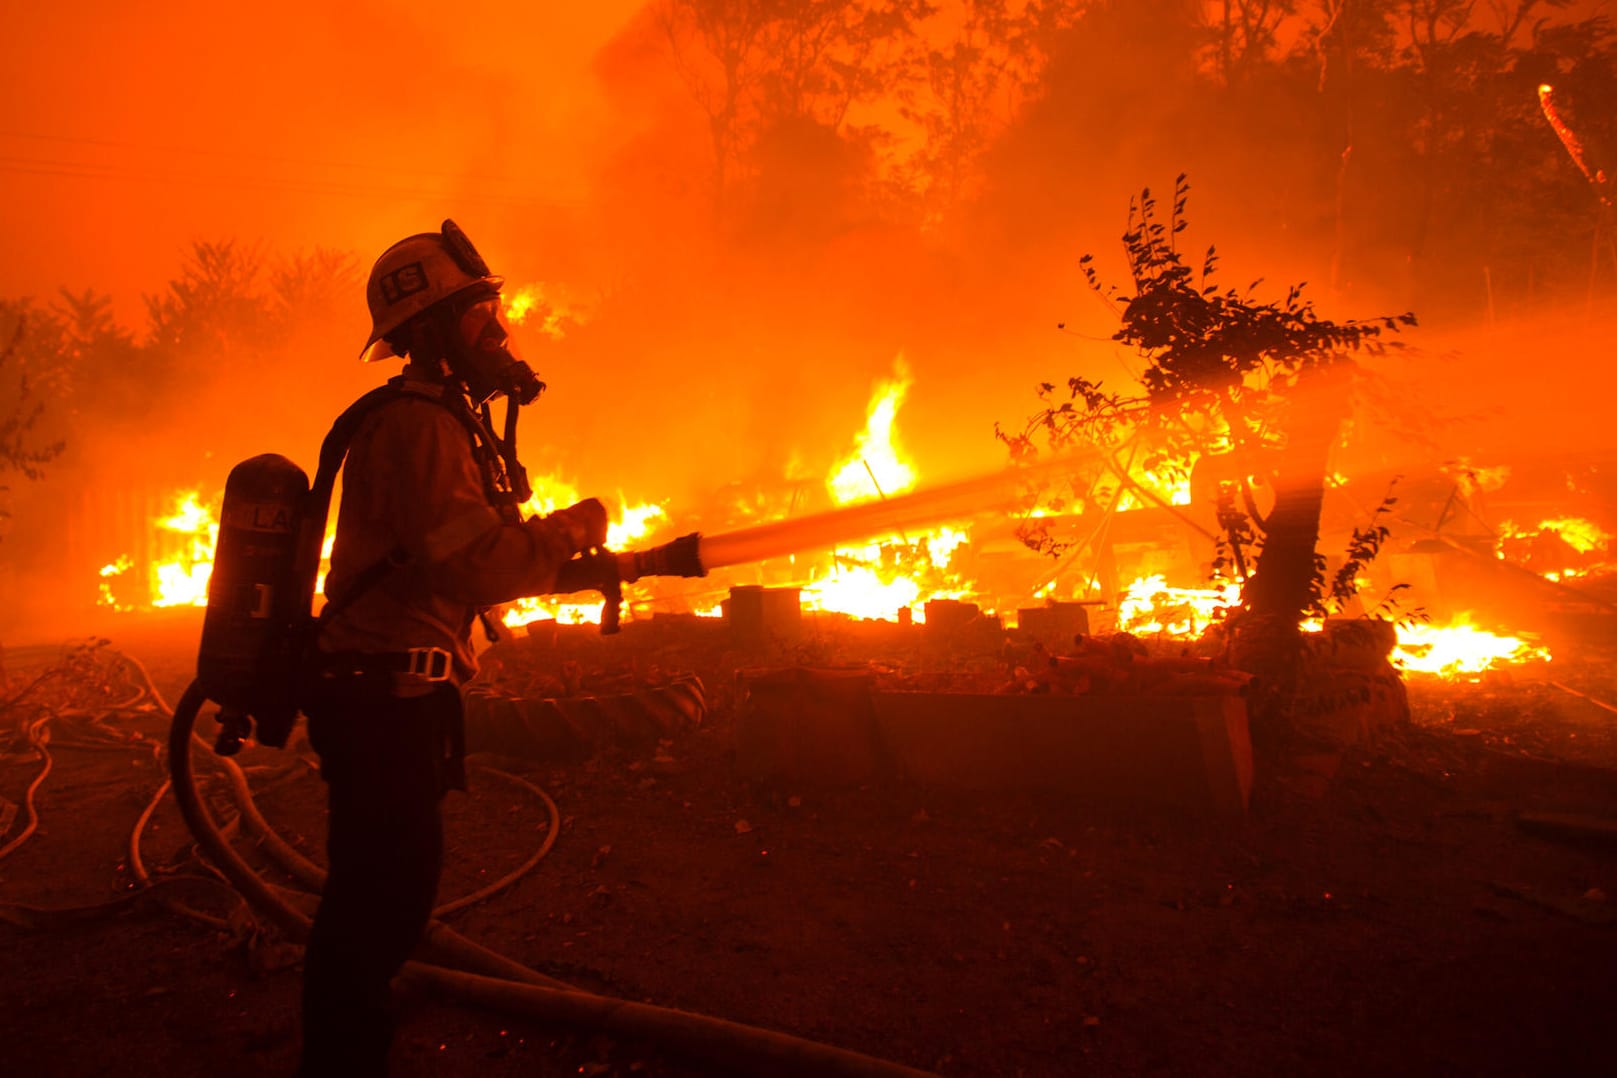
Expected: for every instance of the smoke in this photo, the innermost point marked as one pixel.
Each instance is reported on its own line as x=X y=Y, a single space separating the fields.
x=730 y=344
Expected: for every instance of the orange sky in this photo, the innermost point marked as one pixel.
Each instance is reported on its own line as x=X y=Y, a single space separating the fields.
x=128 y=130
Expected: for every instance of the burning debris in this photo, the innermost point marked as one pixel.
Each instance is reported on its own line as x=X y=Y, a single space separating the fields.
x=897 y=577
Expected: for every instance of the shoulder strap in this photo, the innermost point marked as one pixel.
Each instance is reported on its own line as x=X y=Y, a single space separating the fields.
x=334 y=451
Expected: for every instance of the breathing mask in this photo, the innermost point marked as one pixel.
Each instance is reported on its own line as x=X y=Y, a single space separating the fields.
x=483 y=356
x=482 y=353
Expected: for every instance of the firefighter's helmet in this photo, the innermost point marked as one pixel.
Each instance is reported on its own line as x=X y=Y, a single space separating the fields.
x=416 y=273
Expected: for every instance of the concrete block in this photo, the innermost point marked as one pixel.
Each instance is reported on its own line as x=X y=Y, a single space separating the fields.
x=801 y=725
x=1184 y=752
x=805 y=726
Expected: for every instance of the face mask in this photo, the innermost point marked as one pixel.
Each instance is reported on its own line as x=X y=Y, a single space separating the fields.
x=485 y=358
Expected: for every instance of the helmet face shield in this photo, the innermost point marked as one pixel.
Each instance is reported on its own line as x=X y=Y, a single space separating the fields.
x=486 y=358
x=483 y=328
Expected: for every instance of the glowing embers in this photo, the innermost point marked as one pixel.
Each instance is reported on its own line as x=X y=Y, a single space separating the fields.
x=1460 y=648
x=1150 y=607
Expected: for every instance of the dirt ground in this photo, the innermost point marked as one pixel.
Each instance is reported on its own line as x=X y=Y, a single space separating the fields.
x=1386 y=910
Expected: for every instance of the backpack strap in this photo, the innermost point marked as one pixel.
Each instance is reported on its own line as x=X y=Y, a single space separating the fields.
x=334 y=452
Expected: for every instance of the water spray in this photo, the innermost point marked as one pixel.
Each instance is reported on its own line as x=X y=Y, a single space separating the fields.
x=999 y=491
x=894 y=514
x=695 y=554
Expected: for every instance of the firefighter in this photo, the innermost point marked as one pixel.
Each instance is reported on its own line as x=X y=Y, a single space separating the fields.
x=429 y=535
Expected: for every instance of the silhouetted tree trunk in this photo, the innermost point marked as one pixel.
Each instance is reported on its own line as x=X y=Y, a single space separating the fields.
x=1285 y=586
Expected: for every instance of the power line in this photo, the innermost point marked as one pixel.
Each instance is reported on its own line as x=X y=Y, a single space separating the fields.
x=276 y=158
x=85 y=170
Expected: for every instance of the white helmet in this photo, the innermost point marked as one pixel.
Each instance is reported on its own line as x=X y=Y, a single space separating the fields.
x=416 y=273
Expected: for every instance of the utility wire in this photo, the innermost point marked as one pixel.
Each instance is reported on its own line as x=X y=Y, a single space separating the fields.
x=232 y=155
x=120 y=173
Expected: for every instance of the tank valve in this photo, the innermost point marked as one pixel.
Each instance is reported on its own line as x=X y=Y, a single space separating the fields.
x=235 y=726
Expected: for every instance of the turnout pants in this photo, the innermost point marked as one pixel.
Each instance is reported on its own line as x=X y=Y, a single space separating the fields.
x=387 y=762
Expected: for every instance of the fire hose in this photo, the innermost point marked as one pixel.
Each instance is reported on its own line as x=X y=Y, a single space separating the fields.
x=463 y=970
x=249 y=675
x=492 y=980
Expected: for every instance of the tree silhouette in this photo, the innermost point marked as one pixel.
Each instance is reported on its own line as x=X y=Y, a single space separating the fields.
x=1253 y=394
x=755 y=65
x=22 y=406
x=216 y=305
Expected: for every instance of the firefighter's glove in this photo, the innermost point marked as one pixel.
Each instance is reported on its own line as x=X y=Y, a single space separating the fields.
x=584 y=523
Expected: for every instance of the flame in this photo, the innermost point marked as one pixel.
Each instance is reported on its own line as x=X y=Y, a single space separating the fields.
x=901 y=572
x=874 y=468
x=1582 y=544
x=1581 y=535
x=1169 y=482
x=550 y=302
x=1475 y=479
x=516 y=305
x=880 y=579
x=860 y=591
x=634 y=523
x=545 y=608
x=1149 y=607
x=325 y=559
x=1460 y=648
x=182 y=580
x=108 y=573
x=1584 y=536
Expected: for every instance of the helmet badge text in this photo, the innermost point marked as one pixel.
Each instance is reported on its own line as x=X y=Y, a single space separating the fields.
x=405 y=281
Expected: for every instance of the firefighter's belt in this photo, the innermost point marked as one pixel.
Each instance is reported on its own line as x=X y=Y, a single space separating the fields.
x=420 y=665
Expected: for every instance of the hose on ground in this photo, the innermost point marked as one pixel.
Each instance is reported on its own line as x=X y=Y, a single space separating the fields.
x=310 y=875
x=35 y=735
x=513 y=987
x=36 y=739
x=441 y=940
